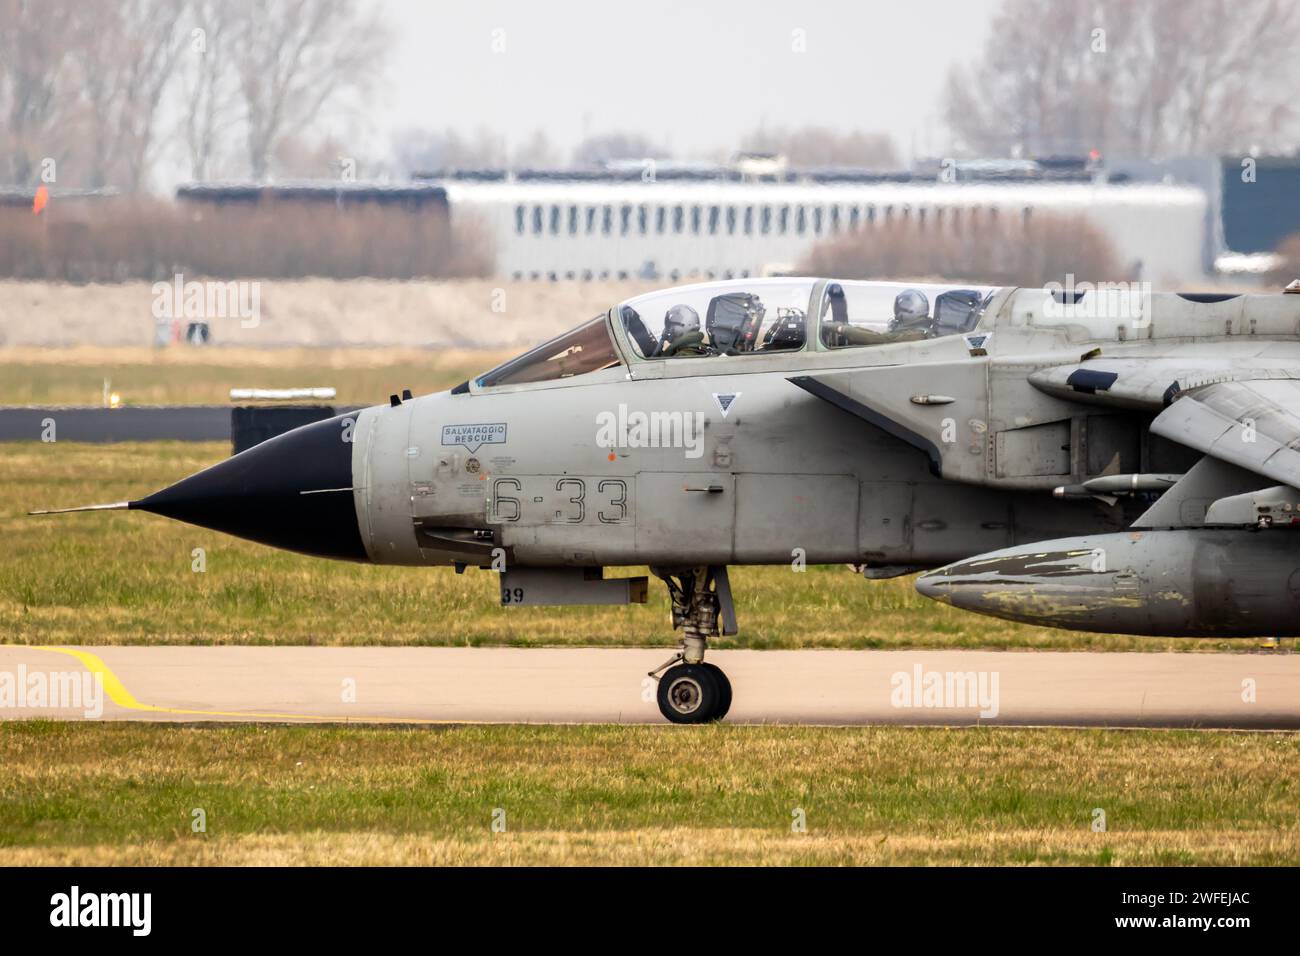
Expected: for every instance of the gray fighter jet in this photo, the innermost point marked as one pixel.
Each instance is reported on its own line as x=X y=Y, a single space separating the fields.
x=1095 y=458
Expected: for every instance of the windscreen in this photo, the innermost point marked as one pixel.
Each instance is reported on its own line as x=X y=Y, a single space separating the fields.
x=584 y=349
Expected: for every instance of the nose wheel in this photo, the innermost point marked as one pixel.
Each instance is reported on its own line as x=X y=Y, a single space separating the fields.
x=694 y=693
x=690 y=690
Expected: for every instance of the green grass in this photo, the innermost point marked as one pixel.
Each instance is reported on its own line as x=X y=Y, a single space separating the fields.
x=126 y=792
x=196 y=377
x=118 y=577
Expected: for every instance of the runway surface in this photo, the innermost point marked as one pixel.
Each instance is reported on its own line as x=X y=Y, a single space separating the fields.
x=602 y=685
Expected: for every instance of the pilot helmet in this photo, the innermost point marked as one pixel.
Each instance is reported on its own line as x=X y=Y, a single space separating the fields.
x=911 y=311
x=680 y=320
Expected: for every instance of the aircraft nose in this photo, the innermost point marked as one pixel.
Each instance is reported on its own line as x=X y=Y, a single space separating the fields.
x=293 y=491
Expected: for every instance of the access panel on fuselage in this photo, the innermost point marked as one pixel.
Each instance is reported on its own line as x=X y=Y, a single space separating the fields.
x=685 y=517
x=884 y=529
x=782 y=517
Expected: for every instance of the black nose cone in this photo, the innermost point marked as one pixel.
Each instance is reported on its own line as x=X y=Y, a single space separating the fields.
x=293 y=491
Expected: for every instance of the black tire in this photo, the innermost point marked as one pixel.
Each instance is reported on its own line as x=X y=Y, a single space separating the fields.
x=689 y=694
x=724 y=688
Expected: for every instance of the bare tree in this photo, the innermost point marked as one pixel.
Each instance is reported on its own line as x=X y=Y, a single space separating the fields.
x=35 y=59
x=1035 y=89
x=209 y=89
x=1233 y=67
x=295 y=56
x=127 y=52
x=1150 y=78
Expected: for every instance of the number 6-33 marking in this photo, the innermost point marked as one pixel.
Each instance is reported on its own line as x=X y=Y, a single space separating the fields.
x=567 y=504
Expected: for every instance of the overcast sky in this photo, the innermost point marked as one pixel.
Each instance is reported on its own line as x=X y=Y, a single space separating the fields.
x=694 y=75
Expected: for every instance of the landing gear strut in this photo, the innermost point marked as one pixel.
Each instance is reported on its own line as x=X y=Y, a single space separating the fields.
x=691 y=691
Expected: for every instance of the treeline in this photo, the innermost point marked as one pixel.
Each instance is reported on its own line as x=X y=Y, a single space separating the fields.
x=1151 y=78
x=92 y=91
x=118 y=239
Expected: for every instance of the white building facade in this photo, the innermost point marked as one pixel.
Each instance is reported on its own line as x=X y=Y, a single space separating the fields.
x=681 y=230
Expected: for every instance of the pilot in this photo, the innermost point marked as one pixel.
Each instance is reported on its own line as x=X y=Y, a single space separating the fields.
x=911 y=322
x=682 y=335
x=911 y=319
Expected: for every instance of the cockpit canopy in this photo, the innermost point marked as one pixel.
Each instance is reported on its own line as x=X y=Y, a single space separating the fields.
x=761 y=316
x=752 y=317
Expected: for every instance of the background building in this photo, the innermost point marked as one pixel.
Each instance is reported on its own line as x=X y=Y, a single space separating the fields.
x=721 y=224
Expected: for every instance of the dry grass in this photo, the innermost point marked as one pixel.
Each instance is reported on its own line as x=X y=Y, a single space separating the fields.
x=99 y=793
x=678 y=846
x=189 y=376
x=317 y=313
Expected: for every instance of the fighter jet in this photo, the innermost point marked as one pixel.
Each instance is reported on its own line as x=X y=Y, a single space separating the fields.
x=1101 y=458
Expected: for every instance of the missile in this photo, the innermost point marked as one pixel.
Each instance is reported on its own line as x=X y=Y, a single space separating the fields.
x=1202 y=582
x=1111 y=485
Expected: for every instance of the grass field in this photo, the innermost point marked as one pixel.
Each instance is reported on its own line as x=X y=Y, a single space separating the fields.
x=188 y=376
x=99 y=793
x=120 y=577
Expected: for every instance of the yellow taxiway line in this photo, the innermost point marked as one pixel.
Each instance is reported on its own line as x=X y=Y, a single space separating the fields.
x=123 y=698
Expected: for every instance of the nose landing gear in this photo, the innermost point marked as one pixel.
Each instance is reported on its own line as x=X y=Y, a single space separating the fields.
x=691 y=691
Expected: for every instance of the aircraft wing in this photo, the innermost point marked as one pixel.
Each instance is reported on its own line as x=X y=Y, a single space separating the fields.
x=1253 y=424
x=1245 y=415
